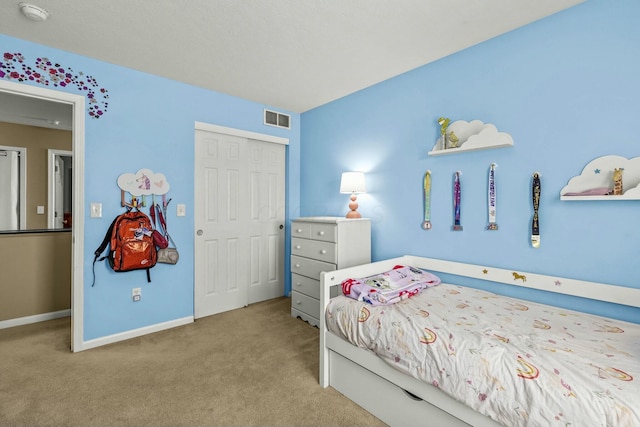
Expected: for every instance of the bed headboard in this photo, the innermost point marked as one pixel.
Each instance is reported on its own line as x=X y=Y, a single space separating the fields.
x=592 y=290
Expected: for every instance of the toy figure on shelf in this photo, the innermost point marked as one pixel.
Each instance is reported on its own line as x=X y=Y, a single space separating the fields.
x=617 y=182
x=449 y=137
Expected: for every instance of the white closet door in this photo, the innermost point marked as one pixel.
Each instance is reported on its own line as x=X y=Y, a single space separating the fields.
x=266 y=220
x=239 y=248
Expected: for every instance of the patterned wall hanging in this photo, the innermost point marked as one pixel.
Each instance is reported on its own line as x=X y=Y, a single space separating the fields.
x=47 y=73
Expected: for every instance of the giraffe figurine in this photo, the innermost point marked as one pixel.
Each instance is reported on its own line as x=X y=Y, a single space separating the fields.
x=617 y=182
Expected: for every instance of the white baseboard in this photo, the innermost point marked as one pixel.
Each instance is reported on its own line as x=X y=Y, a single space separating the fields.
x=86 y=345
x=19 y=321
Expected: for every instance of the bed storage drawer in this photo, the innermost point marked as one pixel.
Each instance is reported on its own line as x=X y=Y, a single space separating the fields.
x=383 y=399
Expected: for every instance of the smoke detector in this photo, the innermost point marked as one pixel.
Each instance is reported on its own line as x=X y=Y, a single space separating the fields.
x=33 y=12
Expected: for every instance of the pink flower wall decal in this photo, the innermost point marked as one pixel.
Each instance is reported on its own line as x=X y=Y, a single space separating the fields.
x=48 y=73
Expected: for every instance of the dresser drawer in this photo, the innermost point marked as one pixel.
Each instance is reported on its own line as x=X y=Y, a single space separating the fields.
x=301 y=229
x=305 y=285
x=325 y=232
x=305 y=304
x=316 y=249
x=309 y=267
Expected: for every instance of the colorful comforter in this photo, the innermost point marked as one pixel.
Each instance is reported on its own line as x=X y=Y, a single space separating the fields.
x=520 y=363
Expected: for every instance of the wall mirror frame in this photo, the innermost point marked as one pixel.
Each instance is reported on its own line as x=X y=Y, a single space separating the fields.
x=77 y=103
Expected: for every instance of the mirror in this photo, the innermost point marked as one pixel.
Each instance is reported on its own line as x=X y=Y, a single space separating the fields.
x=35 y=138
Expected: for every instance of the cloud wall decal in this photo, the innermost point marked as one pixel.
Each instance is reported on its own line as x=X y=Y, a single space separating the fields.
x=143 y=183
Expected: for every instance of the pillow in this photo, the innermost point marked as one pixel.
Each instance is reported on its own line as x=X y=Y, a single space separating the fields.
x=386 y=288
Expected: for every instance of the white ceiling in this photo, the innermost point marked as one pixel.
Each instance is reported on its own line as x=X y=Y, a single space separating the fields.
x=292 y=55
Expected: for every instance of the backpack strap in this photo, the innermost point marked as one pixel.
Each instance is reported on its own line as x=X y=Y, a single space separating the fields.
x=102 y=247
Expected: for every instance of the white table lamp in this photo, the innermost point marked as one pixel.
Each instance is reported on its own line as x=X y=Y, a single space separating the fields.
x=353 y=183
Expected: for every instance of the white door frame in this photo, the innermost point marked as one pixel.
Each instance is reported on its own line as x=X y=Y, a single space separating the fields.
x=52 y=154
x=239 y=133
x=77 y=103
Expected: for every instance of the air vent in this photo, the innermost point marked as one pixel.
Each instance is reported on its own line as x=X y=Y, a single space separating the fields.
x=273 y=118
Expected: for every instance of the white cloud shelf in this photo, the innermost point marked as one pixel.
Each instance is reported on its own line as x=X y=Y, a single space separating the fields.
x=596 y=180
x=473 y=136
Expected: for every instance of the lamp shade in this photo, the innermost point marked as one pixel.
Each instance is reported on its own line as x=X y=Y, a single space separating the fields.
x=352 y=182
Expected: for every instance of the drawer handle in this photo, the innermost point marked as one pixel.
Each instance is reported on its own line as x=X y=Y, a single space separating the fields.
x=411 y=395
x=324 y=251
x=297 y=265
x=299 y=230
x=298 y=283
x=298 y=247
x=298 y=302
x=320 y=233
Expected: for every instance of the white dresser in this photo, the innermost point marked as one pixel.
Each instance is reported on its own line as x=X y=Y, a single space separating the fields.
x=323 y=244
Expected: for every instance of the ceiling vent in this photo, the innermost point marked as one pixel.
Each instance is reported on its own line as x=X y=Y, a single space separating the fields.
x=273 y=118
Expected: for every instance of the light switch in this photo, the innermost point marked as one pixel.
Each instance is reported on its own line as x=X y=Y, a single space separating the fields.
x=40 y=210
x=96 y=210
x=181 y=210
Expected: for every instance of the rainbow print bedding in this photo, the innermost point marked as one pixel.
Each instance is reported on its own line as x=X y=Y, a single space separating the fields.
x=518 y=362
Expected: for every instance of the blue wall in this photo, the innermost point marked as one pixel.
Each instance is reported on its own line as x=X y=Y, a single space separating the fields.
x=566 y=88
x=150 y=124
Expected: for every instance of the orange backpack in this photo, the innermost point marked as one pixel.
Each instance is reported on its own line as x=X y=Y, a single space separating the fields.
x=131 y=244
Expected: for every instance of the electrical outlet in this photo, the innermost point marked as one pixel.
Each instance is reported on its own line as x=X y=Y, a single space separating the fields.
x=136 y=294
x=181 y=210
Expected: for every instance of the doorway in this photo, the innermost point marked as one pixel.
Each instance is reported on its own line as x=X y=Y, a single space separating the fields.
x=37 y=96
x=239 y=214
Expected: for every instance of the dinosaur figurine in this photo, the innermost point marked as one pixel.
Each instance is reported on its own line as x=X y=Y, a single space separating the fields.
x=453 y=139
x=444 y=124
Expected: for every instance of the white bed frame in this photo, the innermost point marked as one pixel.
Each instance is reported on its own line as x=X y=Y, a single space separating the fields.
x=361 y=376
